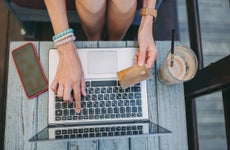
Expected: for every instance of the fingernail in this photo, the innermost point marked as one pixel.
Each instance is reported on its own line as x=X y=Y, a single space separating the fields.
x=78 y=111
x=140 y=63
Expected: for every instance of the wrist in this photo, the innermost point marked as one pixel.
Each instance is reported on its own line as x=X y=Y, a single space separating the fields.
x=67 y=48
x=146 y=23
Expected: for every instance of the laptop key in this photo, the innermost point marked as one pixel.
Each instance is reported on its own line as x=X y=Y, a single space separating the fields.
x=72 y=112
x=137 y=95
x=64 y=105
x=139 y=109
x=118 y=115
x=104 y=134
x=59 y=137
x=97 y=129
x=70 y=105
x=97 y=90
x=120 y=103
x=103 y=83
x=110 y=134
x=79 y=135
x=85 y=135
x=109 y=90
x=70 y=131
x=132 y=103
x=57 y=132
x=89 y=104
x=72 y=136
x=138 y=102
x=97 y=110
x=94 y=97
x=75 y=130
x=106 y=97
x=64 y=118
x=64 y=131
x=134 y=109
x=66 y=112
x=87 y=83
x=96 y=116
x=58 y=112
x=58 y=105
x=57 y=118
x=70 y=118
x=103 y=90
x=92 y=135
x=139 y=114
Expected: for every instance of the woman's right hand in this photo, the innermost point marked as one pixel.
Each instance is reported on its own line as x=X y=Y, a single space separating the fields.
x=69 y=75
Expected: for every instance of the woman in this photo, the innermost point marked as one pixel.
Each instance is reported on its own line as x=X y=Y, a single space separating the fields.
x=117 y=15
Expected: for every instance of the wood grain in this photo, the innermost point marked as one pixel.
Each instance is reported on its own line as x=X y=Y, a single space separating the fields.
x=26 y=117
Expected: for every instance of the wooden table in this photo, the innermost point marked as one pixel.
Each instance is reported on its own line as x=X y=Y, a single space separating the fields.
x=25 y=117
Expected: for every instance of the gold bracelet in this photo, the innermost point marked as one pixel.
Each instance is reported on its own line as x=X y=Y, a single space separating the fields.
x=148 y=11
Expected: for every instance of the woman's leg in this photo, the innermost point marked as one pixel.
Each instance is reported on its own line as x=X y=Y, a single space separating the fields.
x=92 y=17
x=120 y=14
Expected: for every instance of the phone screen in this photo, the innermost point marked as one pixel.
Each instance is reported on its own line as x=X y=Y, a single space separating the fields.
x=29 y=69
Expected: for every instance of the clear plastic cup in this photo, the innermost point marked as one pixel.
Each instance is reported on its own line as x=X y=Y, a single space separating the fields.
x=184 y=67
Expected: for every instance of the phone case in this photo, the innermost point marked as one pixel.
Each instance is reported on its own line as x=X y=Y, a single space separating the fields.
x=29 y=69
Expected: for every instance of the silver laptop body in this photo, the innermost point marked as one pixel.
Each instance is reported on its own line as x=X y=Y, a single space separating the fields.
x=126 y=118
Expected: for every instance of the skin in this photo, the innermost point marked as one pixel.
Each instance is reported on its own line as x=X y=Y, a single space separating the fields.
x=116 y=16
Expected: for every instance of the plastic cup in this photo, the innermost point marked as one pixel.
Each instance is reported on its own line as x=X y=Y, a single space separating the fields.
x=184 y=67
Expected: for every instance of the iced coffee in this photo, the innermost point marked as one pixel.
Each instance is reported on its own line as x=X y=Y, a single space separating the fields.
x=182 y=69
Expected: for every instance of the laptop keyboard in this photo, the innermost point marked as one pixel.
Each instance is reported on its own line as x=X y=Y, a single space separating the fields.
x=98 y=132
x=104 y=100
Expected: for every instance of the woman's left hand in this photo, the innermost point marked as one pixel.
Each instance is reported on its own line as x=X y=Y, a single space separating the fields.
x=147 y=53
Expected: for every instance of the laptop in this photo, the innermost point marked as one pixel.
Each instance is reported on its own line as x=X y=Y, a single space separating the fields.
x=108 y=110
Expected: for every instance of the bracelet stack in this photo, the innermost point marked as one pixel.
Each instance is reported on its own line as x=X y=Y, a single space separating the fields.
x=63 y=37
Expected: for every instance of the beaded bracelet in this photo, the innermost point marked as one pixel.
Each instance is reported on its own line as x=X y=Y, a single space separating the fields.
x=64 y=41
x=56 y=36
x=63 y=37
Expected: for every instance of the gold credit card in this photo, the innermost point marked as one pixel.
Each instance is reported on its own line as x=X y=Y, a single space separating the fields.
x=132 y=75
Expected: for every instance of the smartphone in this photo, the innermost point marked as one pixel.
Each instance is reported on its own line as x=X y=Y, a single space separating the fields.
x=29 y=69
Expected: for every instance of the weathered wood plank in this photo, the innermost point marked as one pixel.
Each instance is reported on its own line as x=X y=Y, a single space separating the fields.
x=112 y=44
x=21 y=111
x=42 y=108
x=84 y=144
x=149 y=142
x=171 y=109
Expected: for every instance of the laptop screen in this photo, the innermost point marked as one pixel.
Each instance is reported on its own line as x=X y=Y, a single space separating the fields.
x=99 y=131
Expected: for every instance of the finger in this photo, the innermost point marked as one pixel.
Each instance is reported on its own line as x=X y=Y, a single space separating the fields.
x=67 y=94
x=83 y=86
x=60 y=91
x=152 y=55
x=136 y=57
x=54 y=86
x=142 y=55
x=77 y=97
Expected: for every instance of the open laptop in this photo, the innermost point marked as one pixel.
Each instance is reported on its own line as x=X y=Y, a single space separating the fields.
x=108 y=110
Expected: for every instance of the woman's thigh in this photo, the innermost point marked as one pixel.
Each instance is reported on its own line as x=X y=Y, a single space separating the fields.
x=120 y=14
x=92 y=16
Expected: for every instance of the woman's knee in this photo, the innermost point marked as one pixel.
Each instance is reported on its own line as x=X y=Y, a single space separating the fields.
x=91 y=6
x=123 y=7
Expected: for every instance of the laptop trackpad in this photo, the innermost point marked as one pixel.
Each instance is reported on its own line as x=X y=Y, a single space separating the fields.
x=102 y=62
